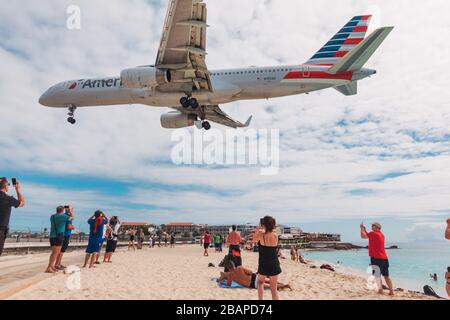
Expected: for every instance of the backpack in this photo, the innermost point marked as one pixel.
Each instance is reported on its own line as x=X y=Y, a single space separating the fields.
x=430 y=292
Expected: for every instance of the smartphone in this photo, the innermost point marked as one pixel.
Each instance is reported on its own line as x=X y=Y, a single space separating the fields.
x=261 y=221
x=14 y=181
x=66 y=207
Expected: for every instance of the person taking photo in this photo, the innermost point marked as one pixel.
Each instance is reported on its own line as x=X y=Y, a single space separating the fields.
x=7 y=202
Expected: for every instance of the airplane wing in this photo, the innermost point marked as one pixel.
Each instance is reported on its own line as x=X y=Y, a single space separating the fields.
x=182 y=48
x=215 y=114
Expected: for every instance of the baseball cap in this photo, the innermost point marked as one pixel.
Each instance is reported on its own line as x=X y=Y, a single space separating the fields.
x=376 y=224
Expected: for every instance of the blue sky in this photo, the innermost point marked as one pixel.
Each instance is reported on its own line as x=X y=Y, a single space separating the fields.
x=381 y=155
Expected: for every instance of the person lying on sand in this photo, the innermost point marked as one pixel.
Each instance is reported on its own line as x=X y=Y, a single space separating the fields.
x=244 y=277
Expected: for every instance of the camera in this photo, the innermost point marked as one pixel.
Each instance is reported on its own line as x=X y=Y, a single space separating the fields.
x=14 y=181
x=66 y=207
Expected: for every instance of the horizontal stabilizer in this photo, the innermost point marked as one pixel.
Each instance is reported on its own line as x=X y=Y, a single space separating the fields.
x=358 y=56
x=349 y=89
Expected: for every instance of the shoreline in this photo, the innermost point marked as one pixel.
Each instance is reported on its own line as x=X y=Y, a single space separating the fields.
x=408 y=284
x=183 y=274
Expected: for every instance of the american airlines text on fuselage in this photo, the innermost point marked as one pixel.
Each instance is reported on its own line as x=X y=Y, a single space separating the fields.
x=99 y=83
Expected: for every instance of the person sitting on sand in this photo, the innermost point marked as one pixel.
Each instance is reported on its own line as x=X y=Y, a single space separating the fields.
x=245 y=277
x=96 y=224
x=377 y=253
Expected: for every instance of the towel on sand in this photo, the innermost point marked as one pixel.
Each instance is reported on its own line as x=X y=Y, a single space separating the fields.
x=234 y=285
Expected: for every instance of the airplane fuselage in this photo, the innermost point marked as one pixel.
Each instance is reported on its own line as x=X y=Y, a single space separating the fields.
x=228 y=85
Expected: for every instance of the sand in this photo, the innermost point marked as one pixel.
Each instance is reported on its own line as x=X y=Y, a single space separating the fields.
x=182 y=273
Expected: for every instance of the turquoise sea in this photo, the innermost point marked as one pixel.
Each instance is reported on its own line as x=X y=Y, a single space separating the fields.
x=410 y=266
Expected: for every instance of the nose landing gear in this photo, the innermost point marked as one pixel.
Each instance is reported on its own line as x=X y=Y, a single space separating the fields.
x=71 y=114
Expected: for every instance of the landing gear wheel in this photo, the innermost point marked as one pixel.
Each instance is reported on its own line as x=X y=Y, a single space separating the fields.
x=184 y=102
x=206 y=125
x=71 y=114
x=193 y=103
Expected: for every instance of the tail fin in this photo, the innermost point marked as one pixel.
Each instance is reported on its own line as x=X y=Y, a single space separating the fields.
x=345 y=40
x=358 y=57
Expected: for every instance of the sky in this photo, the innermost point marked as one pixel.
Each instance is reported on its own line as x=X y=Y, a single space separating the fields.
x=381 y=155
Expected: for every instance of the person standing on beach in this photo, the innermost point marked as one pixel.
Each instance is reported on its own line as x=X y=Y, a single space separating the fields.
x=377 y=253
x=268 y=263
x=172 y=240
x=67 y=235
x=58 y=222
x=206 y=243
x=132 y=234
x=6 y=204
x=294 y=253
x=234 y=240
x=96 y=225
x=112 y=237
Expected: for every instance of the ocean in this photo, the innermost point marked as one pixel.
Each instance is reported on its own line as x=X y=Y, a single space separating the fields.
x=410 y=266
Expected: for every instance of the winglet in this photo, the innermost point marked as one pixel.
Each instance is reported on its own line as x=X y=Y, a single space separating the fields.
x=247 y=123
x=359 y=55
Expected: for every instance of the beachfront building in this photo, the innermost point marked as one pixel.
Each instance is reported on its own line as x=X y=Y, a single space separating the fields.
x=224 y=230
x=323 y=237
x=128 y=225
x=183 y=228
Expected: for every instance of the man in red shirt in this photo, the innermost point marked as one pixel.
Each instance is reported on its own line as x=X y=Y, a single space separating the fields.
x=377 y=253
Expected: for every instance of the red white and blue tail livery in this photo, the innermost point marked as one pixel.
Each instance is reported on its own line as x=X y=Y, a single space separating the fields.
x=352 y=34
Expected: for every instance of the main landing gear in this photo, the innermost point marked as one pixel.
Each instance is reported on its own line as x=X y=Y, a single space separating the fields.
x=187 y=102
x=71 y=118
x=206 y=125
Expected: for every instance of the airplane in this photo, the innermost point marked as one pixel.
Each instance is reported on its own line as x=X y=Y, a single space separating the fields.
x=180 y=79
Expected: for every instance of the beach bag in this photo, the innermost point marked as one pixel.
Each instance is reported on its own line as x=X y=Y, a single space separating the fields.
x=430 y=292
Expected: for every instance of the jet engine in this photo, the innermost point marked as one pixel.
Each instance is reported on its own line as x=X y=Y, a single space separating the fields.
x=176 y=120
x=144 y=77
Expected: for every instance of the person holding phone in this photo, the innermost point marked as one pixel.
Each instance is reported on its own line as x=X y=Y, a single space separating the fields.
x=7 y=202
x=58 y=222
x=268 y=263
x=96 y=224
x=377 y=253
x=67 y=235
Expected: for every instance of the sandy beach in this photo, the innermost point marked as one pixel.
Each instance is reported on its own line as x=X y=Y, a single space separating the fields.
x=183 y=273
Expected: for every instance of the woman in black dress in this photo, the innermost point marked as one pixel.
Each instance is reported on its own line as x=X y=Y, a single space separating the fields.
x=268 y=263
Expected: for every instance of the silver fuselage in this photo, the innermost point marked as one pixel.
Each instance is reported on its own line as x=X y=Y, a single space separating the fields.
x=228 y=85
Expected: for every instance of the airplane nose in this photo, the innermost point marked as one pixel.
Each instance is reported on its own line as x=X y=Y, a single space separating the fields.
x=45 y=99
